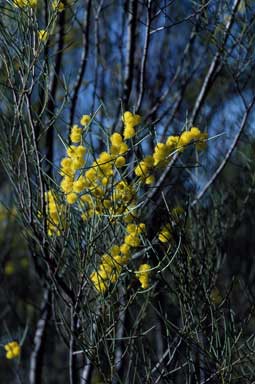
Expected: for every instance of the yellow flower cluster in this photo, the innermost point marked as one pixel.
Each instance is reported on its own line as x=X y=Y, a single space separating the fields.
x=57 y=5
x=165 y=235
x=104 y=189
x=143 y=275
x=25 y=3
x=42 y=35
x=133 y=237
x=96 y=189
x=144 y=169
x=194 y=135
x=70 y=164
x=111 y=263
x=12 y=350
x=76 y=134
x=85 y=120
x=163 y=152
x=130 y=122
x=109 y=269
x=55 y=215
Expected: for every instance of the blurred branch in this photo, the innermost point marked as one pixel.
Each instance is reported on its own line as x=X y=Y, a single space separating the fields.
x=36 y=359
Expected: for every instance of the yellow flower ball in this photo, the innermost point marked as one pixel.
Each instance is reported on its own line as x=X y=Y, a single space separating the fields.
x=12 y=350
x=120 y=161
x=165 y=234
x=57 y=5
x=143 y=275
x=116 y=139
x=42 y=35
x=71 y=198
x=85 y=120
x=76 y=134
x=129 y=132
x=25 y=3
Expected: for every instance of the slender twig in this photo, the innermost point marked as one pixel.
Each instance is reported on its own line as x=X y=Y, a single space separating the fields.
x=144 y=57
x=130 y=51
x=83 y=61
x=53 y=89
x=97 y=48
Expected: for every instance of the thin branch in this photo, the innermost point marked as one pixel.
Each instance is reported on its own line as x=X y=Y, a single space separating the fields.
x=83 y=61
x=53 y=89
x=144 y=57
x=130 y=47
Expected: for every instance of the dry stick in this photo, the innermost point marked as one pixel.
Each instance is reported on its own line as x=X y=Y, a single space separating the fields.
x=130 y=47
x=83 y=62
x=144 y=57
x=228 y=155
x=39 y=340
x=213 y=67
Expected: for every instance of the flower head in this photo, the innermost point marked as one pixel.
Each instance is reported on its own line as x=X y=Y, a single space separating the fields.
x=143 y=275
x=42 y=35
x=57 y=5
x=25 y=3
x=12 y=350
x=85 y=120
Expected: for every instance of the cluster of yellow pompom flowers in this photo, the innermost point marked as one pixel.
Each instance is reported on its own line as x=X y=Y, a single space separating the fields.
x=165 y=234
x=112 y=263
x=55 y=215
x=25 y=3
x=56 y=5
x=163 y=152
x=12 y=350
x=130 y=121
x=102 y=187
x=143 y=275
x=42 y=35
